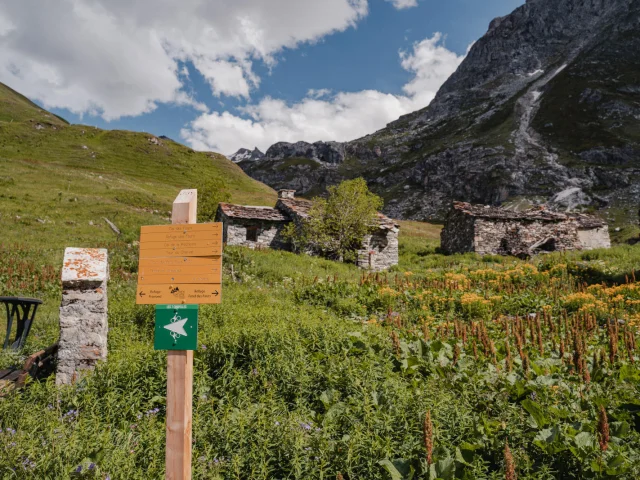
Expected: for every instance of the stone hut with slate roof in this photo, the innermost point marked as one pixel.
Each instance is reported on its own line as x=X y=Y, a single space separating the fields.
x=493 y=230
x=251 y=226
x=262 y=226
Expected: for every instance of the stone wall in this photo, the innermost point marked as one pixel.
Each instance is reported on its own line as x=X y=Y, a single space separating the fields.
x=458 y=234
x=83 y=312
x=268 y=233
x=380 y=251
x=594 y=238
x=522 y=238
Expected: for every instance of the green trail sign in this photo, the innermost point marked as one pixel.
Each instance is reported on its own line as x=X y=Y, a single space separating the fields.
x=176 y=327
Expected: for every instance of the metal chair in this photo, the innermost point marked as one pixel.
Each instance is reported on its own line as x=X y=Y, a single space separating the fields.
x=24 y=311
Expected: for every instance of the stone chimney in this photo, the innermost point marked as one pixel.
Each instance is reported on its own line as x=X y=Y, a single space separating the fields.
x=286 y=194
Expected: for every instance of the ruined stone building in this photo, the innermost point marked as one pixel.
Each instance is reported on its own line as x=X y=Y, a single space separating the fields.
x=493 y=230
x=262 y=227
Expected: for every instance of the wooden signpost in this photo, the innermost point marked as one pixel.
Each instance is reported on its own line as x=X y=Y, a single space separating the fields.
x=180 y=268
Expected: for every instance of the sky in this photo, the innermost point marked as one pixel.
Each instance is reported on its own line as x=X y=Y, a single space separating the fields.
x=219 y=75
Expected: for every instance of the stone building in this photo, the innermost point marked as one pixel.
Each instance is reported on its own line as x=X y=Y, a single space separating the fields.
x=251 y=226
x=494 y=230
x=262 y=226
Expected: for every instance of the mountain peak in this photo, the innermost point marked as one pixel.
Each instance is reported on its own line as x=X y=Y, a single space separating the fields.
x=545 y=103
x=246 y=154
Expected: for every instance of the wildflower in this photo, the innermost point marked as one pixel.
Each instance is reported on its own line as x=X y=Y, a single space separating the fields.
x=92 y=466
x=603 y=429
x=203 y=347
x=277 y=423
x=428 y=436
x=305 y=426
x=509 y=464
x=70 y=415
x=456 y=353
x=396 y=342
x=79 y=469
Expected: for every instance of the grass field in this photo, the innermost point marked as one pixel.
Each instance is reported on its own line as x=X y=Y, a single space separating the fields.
x=310 y=369
x=60 y=180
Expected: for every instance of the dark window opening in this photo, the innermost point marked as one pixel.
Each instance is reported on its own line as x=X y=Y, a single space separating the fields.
x=252 y=234
x=548 y=246
x=379 y=242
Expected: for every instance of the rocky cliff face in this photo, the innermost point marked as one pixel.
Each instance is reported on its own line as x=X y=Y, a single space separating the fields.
x=544 y=109
x=244 y=154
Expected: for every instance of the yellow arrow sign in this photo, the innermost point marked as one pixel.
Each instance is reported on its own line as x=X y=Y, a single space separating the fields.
x=194 y=293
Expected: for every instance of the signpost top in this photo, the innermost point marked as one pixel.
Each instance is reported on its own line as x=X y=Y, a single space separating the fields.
x=185 y=207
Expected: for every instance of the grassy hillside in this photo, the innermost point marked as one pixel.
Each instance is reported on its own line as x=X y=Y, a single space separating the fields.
x=58 y=181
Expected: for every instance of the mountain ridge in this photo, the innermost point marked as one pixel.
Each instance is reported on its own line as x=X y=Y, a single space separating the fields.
x=544 y=109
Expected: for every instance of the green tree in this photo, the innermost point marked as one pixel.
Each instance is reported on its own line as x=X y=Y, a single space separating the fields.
x=210 y=193
x=337 y=224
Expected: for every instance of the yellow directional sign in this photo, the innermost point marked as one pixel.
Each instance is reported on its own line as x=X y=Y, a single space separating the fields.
x=196 y=231
x=191 y=293
x=179 y=278
x=181 y=249
x=180 y=270
x=180 y=263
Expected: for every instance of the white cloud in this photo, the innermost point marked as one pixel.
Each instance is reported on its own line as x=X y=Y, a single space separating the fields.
x=117 y=57
x=322 y=92
x=224 y=77
x=323 y=116
x=431 y=63
x=401 y=4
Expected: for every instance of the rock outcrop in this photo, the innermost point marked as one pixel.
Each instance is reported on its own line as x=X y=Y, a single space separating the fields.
x=545 y=106
x=245 y=154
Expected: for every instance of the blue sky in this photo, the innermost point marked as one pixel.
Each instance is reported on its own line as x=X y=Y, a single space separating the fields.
x=353 y=47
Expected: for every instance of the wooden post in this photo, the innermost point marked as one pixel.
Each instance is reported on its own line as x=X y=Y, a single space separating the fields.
x=180 y=374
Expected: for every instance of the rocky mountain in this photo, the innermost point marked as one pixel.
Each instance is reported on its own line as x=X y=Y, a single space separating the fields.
x=544 y=109
x=245 y=154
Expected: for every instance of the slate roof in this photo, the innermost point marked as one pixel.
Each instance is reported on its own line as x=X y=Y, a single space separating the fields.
x=589 y=221
x=295 y=206
x=285 y=210
x=387 y=223
x=300 y=207
x=538 y=213
x=252 y=213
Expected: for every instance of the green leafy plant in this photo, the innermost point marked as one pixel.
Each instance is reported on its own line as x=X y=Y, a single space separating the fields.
x=337 y=225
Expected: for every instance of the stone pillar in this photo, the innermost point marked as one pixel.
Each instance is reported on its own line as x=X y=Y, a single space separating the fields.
x=83 y=312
